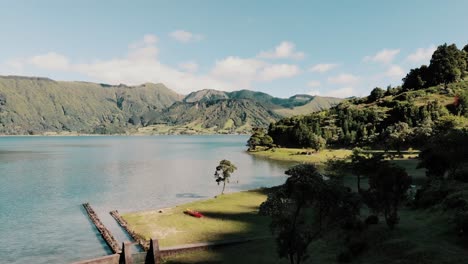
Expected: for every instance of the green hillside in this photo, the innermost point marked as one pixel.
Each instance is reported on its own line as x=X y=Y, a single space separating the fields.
x=35 y=105
x=315 y=104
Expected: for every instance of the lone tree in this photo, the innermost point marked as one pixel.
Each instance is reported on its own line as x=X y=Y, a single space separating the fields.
x=223 y=172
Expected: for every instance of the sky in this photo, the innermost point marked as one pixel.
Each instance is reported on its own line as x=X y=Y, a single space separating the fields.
x=327 y=48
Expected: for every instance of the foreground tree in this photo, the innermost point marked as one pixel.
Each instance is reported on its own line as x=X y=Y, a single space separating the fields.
x=223 y=172
x=445 y=154
x=387 y=188
x=304 y=208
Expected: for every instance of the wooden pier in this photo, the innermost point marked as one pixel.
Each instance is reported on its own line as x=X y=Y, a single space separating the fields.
x=105 y=233
x=143 y=243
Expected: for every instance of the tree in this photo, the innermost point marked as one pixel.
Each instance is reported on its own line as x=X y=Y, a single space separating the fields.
x=448 y=64
x=445 y=153
x=387 y=188
x=397 y=135
x=363 y=164
x=376 y=94
x=259 y=138
x=417 y=78
x=266 y=141
x=462 y=103
x=465 y=49
x=253 y=142
x=317 y=142
x=304 y=208
x=223 y=172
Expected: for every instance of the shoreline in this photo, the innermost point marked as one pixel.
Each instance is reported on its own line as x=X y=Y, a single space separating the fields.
x=116 y=135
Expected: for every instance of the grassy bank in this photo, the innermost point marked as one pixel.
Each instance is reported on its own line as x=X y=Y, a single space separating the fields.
x=302 y=155
x=408 y=161
x=423 y=236
x=228 y=216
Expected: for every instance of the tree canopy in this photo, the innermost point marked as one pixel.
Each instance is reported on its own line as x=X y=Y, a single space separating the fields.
x=223 y=172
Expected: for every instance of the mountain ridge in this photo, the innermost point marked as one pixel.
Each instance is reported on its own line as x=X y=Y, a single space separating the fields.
x=34 y=105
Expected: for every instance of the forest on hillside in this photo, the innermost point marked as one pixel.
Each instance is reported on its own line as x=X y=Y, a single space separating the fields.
x=314 y=213
x=431 y=99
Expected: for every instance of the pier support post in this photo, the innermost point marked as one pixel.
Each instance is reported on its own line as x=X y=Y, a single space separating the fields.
x=153 y=256
x=126 y=254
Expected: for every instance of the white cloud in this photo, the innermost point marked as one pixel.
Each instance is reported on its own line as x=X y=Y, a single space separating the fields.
x=278 y=71
x=144 y=49
x=421 y=54
x=50 y=61
x=185 y=36
x=344 y=78
x=245 y=71
x=237 y=70
x=340 y=93
x=313 y=84
x=142 y=64
x=395 y=71
x=285 y=50
x=383 y=56
x=323 y=67
x=189 y=66
x=150 y=39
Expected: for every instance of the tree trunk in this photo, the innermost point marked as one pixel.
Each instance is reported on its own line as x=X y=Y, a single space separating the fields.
x=224 y=186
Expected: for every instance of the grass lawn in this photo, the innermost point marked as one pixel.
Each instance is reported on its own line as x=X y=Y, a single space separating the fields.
x=228 y=216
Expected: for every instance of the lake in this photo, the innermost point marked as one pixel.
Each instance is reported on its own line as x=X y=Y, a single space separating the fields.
x=44 y=181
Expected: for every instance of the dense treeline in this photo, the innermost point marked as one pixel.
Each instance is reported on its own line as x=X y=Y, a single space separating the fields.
x=394 y=118
x=312 y=204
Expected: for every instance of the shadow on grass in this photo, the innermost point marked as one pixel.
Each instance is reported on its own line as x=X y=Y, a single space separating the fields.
x=260 y=250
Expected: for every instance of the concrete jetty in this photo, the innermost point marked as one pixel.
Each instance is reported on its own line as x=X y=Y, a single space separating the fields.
x=105 y=233
x=137 y=238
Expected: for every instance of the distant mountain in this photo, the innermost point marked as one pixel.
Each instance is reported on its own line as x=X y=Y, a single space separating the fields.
x=205 y=95
x=294 y=105
x=32 y=105
x=227 y=115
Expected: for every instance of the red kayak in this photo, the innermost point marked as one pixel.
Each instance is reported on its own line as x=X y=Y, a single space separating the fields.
x=193 y=213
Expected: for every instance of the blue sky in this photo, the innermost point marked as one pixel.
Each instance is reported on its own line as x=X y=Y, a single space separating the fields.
x=335 y=48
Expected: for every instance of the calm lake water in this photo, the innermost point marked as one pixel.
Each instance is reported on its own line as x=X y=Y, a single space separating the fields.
x=44 y=181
